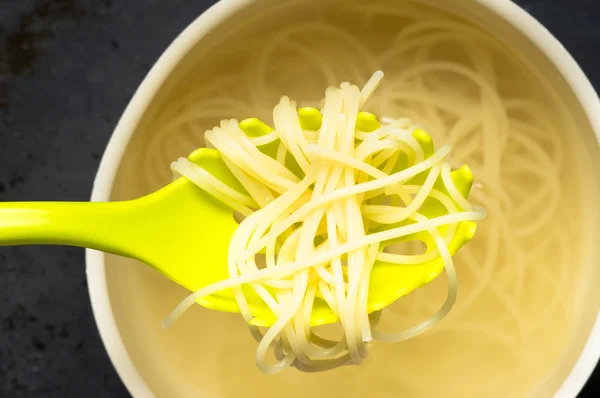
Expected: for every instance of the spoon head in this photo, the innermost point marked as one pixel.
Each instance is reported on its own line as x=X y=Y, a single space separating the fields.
x=388 y=282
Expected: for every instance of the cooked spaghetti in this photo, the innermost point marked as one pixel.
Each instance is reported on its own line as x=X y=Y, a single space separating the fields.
x=322 y=211
x=524 y=279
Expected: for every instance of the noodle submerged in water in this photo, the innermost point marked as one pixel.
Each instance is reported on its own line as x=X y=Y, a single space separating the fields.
x=523 y=277
x=321 y=227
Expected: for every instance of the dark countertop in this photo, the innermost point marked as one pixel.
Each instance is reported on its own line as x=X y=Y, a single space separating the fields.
x=67 y=70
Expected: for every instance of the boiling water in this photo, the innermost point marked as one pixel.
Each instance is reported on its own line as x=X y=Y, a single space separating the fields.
x=519 y=279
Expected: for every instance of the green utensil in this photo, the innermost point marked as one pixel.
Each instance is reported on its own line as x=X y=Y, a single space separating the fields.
x=183 y=232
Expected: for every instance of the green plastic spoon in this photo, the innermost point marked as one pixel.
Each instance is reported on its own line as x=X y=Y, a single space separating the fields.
x=183 y=232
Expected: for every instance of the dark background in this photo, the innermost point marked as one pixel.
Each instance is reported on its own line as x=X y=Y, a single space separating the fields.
x=67 y=70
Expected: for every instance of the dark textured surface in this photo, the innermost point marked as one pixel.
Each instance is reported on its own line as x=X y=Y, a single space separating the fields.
x=67 y=70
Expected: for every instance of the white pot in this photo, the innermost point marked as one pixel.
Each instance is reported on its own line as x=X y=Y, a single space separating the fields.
x=499 y=16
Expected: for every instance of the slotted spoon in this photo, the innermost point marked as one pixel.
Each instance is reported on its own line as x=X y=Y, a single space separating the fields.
x=183 y=232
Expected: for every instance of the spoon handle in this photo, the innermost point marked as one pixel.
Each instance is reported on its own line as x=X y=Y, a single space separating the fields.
x=93 y=225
